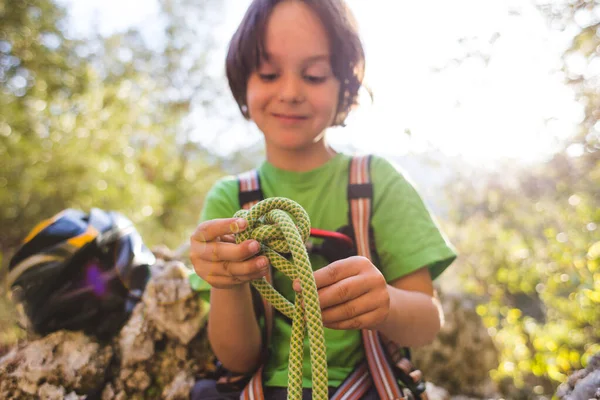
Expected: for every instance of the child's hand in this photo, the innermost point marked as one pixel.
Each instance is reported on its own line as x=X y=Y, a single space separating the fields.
x=221 y=262
x=353 y=294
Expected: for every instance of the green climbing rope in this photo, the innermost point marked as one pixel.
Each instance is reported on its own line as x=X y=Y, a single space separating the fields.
x=270 y=222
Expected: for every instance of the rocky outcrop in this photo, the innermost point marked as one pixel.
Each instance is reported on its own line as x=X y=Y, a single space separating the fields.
x=58 y=365
x=583 y=384
x=462 y=354
x=162 y=350
x=158 y=354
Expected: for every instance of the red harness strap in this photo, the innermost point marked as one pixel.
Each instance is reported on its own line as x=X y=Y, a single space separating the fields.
x=376 y=369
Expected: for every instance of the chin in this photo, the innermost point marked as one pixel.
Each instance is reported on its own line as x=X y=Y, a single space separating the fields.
x=293 y=147
x=291 y=142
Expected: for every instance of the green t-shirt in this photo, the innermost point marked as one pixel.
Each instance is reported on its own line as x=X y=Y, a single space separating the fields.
x=406 y=237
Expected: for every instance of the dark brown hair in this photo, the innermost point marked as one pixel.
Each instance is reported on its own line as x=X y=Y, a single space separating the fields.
x=347 y=55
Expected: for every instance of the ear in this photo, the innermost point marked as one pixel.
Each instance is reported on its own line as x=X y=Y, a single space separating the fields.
x=245 y=112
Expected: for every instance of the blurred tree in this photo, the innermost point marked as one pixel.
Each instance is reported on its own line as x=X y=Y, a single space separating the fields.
x=101 y=122
x=183 y=170
x=36 y=64
x=531 y=250
x=581 y=19
x=530 y=237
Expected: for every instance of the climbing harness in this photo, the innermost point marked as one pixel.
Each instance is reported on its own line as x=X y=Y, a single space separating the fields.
x=385 y=363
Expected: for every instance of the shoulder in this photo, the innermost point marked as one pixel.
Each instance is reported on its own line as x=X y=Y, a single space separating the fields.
x=387 y=175
x=407 y=234
x=393 y=189
x=224 y=186
x=384 y=166
x=221 y=201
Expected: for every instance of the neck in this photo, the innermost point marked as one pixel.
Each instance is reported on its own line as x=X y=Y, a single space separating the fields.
x=300 y=160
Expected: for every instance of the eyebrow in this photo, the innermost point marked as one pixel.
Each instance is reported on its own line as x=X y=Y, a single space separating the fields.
x=319 y=57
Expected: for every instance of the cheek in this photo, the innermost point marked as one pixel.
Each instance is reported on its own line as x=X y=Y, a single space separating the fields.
x=327 y=101
x=252 y=101
x=256 y=96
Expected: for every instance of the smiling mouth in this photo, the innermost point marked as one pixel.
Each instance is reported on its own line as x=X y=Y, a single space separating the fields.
x=290 y=117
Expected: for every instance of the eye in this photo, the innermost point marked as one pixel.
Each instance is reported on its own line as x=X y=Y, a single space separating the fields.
x=268 y=77
x=315 y=79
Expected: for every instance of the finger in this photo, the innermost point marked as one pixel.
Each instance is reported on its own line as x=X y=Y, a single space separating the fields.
x=233 y=268
x=344 y=291
x=297 y=286
x=223 y=251
x=235 y=272
x=336 y=271
x=247 y=268
x=208 y=231
x=225 y=282
x=351 y=309
x=228 y=238
x=363 y=321
x=300 y=306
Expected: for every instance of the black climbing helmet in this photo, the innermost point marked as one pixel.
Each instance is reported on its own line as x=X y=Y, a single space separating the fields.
x=79 y=271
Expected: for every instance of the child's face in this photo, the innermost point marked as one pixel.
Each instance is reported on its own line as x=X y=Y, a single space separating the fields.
x=293 y=96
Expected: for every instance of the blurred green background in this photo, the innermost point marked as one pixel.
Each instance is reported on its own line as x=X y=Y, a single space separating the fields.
x=494 y=114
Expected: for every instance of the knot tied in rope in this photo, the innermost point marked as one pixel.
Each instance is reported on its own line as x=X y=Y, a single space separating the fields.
x=282 y=226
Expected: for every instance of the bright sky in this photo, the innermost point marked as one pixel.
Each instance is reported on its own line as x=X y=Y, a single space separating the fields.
x=510 y=107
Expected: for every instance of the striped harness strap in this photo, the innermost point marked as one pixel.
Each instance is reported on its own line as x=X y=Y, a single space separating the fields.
x=251 y=193
x=376 y=369
x=360 y=193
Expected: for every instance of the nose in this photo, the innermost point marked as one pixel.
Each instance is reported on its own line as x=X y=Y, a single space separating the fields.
x=291 y=89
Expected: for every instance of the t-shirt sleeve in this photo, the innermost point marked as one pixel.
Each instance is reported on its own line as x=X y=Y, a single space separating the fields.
x=407 y=236
x=221 y=200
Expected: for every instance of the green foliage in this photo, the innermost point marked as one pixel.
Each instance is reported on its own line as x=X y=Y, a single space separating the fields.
x=106 y=123
x=531 y=251
x=530 y=241
x=98 y=123
x=581 y=60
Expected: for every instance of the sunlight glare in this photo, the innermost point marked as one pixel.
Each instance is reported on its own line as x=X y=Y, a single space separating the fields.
x=475 y=79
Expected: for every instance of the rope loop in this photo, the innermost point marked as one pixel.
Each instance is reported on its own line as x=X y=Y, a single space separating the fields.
x=282 y=226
